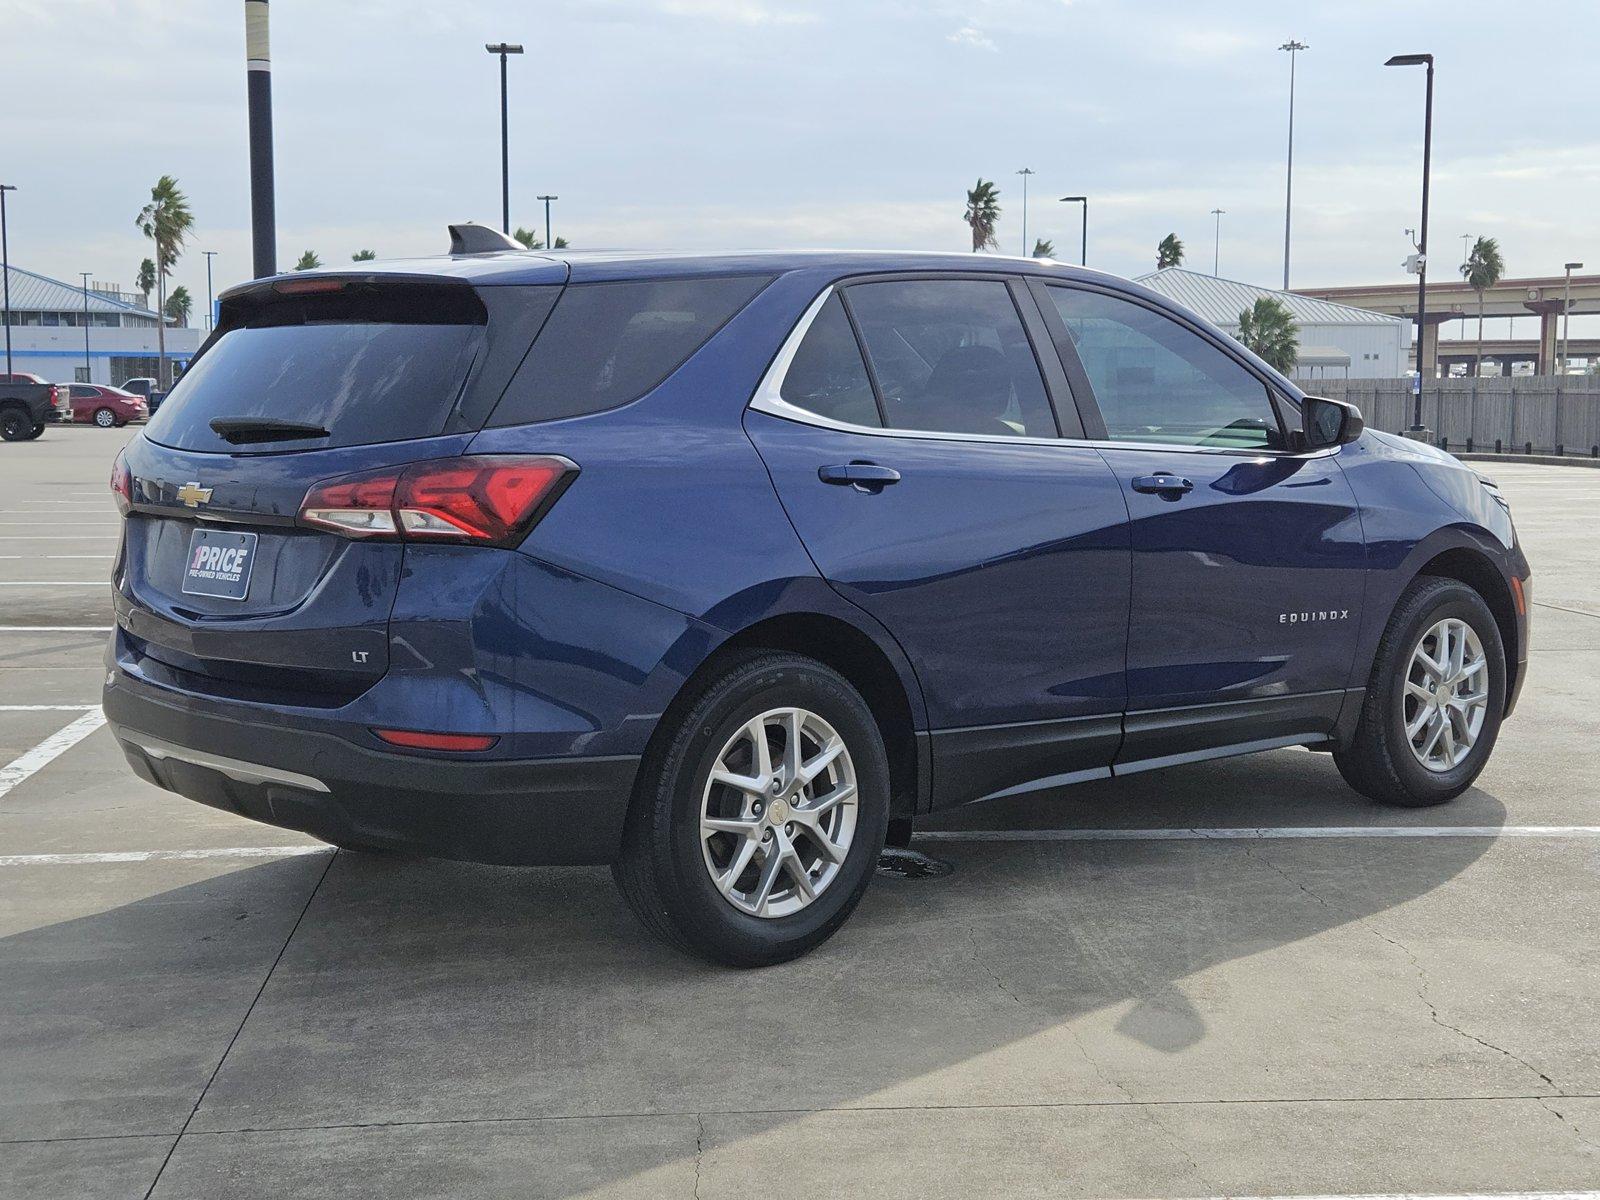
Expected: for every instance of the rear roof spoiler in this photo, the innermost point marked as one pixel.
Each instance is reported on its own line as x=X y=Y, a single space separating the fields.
x=472 y=238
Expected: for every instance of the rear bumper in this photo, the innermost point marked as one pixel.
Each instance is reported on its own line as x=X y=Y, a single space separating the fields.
x=541 y=811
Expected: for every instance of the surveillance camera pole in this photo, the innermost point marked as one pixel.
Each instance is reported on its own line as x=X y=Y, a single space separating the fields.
x=1416 y=60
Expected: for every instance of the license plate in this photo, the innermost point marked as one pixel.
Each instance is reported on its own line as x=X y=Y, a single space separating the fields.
x=219 y=564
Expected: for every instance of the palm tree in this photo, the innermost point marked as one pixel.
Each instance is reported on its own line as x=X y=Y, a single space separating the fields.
x=983 y=214
x=1044 y=248
x=532 y=240
x=179 y=305
x=363 y=256
x=166 y=220
x=1482 y=270
x=1268 y=329
x=145 y=280
x=308 y=260
x=1169 y=253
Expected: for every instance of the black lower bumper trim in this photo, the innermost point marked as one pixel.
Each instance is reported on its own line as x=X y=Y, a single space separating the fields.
x=546 y=811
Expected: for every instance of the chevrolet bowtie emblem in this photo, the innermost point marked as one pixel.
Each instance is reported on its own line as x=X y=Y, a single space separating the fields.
x=194 y=495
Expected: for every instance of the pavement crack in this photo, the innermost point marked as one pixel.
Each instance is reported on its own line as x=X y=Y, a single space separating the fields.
x=699 y=1149
x=983 y=965
x=1424 y=983
x=1145 y=1110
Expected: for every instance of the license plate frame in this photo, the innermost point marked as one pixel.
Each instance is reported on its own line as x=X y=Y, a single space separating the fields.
x=224 y=575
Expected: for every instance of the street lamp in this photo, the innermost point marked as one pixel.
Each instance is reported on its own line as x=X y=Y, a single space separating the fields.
x=1293 y=47
x=1083 y=256
x=5 y=270
x=88 y=372
x=1216 y=241
x=211 y=308
x=263 y=205
x=1418 y=60
x=1566 y=313
x=548 y=244
x=503 y=49
x=1025 y=172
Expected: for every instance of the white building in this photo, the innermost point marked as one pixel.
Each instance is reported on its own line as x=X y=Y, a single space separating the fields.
x=1336 y=340
x=48 y=320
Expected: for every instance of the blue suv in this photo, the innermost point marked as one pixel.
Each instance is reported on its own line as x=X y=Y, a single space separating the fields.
x=725 y=568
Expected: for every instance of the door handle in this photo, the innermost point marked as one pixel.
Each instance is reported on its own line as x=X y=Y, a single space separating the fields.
x=863 y=476
x=1163 y=484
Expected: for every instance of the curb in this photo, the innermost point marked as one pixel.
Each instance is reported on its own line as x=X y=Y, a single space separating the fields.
x=1543 y=460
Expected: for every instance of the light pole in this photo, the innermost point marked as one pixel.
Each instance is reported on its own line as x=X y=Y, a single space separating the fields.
x=548 y=244
x=1216 y=241
x=1466 y=253
x=5 y=270
x=1083 y=254
x=1025 y=172
x=211 y=322
x=1418 y=60
x=1293 y=47
x=258 y=72
x=88 y=372
x=503 y=49
x=1566 y=313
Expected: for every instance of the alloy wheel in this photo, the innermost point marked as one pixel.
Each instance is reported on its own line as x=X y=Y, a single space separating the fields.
x=778 y=813
x=1446 y=694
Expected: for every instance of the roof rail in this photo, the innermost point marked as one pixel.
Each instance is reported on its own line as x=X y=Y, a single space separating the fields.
x=472 y=238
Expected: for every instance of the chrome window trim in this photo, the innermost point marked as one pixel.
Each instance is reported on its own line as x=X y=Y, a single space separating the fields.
x=769 y=399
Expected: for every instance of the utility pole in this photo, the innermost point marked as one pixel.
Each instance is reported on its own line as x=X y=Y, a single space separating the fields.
x=1417 y=60
x=1025 y=172
x=1566 y=313
x=258 y=72
x=88 y=371
x=503 y=49
x=5 y=270
x=211 y=307
x=548 y=243
x=1216 y=241
x=1293 y=47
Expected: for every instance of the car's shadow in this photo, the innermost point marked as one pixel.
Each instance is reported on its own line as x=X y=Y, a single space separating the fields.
x=422 y=991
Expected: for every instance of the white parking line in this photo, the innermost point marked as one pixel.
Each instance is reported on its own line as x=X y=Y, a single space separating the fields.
x=142 y=856
x=49 y=750
x=54 y=557
x=55 y=628
x=1432 y=1196
x=47 y=707
x=1262 y=833
x=55 y=583
x=65 y=537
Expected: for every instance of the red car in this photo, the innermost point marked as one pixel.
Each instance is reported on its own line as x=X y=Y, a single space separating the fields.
x=106 y=407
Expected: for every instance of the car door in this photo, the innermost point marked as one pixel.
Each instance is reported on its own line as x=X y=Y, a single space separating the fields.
x=930 y=484
x=1247 y=573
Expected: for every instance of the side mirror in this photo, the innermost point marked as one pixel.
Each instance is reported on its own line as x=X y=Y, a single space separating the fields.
x=1325 y=422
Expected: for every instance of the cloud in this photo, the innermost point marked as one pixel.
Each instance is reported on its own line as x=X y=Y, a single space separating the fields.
x=736 y=12
x=970 y=35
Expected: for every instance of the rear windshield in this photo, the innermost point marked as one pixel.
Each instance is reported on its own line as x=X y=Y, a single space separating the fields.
x=608 y=343
x=378 y=369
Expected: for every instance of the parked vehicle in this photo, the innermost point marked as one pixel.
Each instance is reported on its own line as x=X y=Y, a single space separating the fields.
x=107 y=407
x=753 y=559
x=27 y=404
x=147 y=389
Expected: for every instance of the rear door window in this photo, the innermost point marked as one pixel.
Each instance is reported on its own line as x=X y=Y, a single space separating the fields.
x=367 y=364
x=952 y=356
x=608 y=343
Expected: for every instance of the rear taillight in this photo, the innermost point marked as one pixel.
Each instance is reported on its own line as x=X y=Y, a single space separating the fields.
x=58 y=398
x=488 y=501
x=122 y=484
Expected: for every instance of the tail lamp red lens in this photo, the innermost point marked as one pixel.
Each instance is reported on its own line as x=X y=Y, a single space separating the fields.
x=484 y=500
x=122 y=484
x=413 y=739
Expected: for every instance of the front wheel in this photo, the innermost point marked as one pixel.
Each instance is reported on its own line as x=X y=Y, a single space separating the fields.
x=38 y=432
x=759 y=817
x=1434 y=701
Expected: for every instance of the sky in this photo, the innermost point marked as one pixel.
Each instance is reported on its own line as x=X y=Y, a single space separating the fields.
x=745 y=123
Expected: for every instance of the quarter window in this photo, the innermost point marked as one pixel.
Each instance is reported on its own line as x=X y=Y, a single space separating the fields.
x=1156 y=381
x=952 y=356
x=827 y=376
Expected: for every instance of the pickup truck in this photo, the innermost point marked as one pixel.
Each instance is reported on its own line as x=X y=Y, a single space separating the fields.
x=149 y=389
x=27 y=405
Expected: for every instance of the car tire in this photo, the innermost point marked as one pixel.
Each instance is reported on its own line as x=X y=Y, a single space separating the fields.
x=16 y=424
x=1405 y=705
x=105 y=418
x=36 y=434
x=675 y=875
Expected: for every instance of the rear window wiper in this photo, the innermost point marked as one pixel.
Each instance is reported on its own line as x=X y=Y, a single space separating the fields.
x=239 y=430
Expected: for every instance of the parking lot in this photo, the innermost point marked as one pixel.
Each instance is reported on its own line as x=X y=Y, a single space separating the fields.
x=1237 y=978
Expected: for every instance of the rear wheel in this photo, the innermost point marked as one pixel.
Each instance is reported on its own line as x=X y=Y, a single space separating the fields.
x=105 y=418
x=16 y=423
x=36 y=434
x=760 y=814
x=1433 y=704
